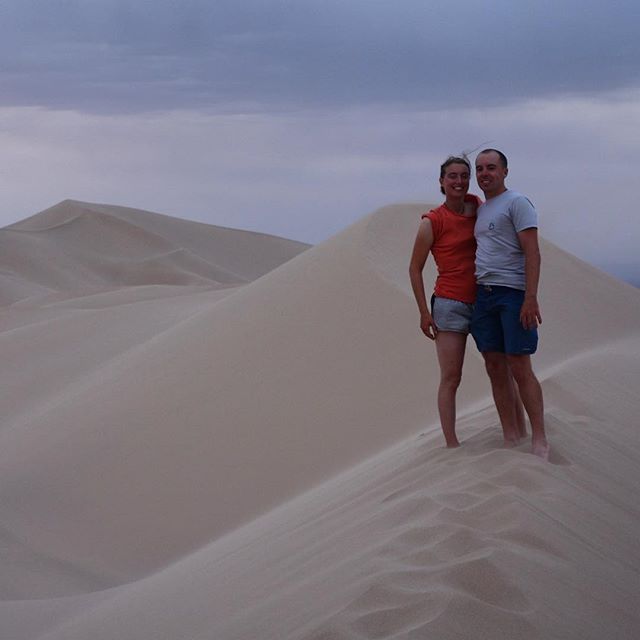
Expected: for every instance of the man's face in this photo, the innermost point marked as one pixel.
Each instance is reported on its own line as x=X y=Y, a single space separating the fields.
x=490 y=173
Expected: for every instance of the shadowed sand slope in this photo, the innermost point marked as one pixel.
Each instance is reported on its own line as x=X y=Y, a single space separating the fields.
x=199 y=464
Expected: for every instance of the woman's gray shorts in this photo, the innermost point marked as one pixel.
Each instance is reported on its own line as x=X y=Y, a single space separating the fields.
x=451 y=315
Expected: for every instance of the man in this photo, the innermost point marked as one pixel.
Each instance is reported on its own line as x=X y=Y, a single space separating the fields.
x=506 y=314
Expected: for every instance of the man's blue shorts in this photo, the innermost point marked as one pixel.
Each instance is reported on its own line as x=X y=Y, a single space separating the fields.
x=495 y=324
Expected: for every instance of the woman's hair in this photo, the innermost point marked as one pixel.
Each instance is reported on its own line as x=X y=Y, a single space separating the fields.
x=453 y=160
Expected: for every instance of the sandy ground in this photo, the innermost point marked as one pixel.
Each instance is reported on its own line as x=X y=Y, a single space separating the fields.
x=214 y=434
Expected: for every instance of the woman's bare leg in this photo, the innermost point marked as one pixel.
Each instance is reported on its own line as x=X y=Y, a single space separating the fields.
x=450 y=347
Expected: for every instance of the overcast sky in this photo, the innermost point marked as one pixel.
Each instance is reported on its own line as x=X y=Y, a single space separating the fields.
x=298 y=117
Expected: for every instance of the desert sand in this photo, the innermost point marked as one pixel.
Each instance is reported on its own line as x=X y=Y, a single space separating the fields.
x=213 y=434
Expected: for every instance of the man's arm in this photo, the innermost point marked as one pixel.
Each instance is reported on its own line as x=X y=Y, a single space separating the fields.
x=530 y=313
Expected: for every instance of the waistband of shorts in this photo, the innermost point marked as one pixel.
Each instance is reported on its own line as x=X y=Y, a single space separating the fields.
x=492 y=288
x=436 y=297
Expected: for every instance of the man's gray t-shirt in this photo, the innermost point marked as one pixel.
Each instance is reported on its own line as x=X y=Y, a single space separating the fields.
x=499 y=257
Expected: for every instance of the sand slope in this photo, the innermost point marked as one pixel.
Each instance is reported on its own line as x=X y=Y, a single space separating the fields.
x=180 y=460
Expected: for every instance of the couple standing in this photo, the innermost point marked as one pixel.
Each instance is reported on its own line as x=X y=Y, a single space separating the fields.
x=488 y=263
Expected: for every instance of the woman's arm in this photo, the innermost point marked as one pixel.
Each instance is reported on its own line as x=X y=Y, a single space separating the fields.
x=421 y=248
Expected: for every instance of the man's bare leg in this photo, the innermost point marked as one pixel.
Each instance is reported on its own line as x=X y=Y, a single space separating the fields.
x=503 y=395
x=450 y=347
x=531 y=393
x=519 y=409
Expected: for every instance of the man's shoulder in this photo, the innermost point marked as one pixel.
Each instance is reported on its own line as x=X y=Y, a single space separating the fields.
x=516 y=197
x=507 y=202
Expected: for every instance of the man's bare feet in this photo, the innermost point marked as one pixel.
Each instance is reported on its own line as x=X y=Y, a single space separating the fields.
x=511 y=437
x=511 y=441
x=541 y=449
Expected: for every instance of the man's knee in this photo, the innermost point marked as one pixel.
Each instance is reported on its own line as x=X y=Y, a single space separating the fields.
x=520 y=367
x=496 y=365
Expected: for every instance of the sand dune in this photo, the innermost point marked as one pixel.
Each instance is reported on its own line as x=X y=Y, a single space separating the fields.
x=79 y=247
x=204 y=436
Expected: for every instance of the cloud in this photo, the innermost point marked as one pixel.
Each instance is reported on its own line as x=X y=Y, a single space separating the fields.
x=114 y=56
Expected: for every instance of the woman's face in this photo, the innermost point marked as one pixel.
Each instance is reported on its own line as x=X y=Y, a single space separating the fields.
x=455 y=182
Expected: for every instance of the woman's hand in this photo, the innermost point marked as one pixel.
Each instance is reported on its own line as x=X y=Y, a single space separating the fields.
x=428 y=326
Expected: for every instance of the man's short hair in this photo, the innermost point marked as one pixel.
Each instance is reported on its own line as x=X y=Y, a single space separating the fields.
x=501 y=155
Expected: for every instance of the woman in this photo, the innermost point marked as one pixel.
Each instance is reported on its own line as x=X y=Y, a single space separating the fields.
x=447 y=232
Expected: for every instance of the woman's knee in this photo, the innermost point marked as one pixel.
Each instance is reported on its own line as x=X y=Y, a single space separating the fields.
x=450 y=379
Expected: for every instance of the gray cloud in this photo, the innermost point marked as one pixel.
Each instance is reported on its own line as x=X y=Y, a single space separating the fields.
x=119 y=56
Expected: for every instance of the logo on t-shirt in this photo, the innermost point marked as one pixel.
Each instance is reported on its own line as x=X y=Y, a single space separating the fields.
x=491 y=226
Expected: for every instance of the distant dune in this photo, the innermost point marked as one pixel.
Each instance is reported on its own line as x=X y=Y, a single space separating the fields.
x=79 y=247
x=214 y=434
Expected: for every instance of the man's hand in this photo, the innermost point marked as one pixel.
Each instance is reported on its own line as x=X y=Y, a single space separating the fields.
x=428 y=326
x=530 y=313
